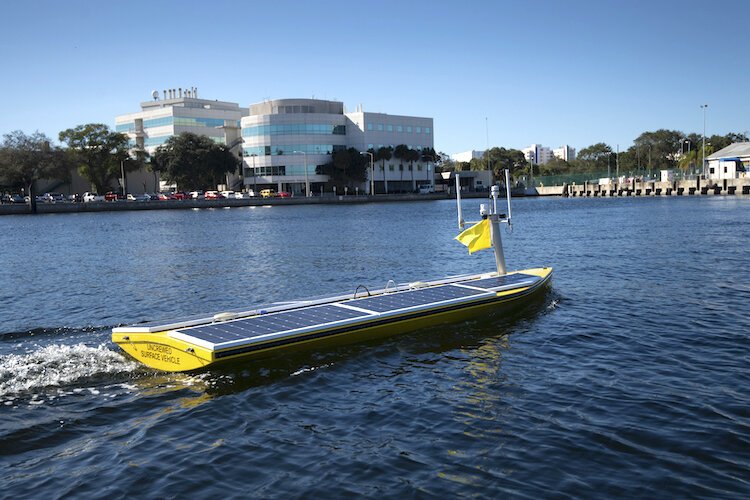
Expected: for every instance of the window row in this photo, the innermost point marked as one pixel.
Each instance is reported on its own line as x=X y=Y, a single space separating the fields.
x=285 y=110
x=393 y=147
x=182 y=121
x=295 y=128
x=292 y=149
x=298 y=170
x=379 y=127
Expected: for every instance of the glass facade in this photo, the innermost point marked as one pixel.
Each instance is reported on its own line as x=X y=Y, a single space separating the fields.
x=294 y=129
x=155 y=141
x=288 y=149
x=125 y=127
x=298 y=170
x=181 y=121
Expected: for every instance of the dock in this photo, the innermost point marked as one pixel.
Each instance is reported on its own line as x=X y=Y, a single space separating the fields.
x=691 y=187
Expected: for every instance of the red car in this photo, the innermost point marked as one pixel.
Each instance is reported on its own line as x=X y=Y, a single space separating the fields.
x=111 y=196
x=179 y=195
x=213 y=195
x=283 y=194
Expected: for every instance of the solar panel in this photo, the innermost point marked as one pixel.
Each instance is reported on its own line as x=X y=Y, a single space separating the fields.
x=507 y=281
x=245 y=329
x=411 y=298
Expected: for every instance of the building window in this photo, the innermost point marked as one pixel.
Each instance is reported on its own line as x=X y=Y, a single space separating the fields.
x=380 y=127
x=399 y=128
x=419 y=167
x=390 y=167
x=390 y=128
x=418 y=130
x=725 y=170
x=427 y=130
x=369 y=126
x=408 y=129
x=125 y=127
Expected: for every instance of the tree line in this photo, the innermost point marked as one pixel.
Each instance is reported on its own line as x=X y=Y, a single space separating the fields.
x=101 y=155
x=651 y=151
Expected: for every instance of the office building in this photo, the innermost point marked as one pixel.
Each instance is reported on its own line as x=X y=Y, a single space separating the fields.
x=286 y=141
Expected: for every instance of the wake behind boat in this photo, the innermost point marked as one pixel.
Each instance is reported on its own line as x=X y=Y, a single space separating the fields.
x=196 y=343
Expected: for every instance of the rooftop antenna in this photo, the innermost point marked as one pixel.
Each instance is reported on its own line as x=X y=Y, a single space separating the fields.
x=494 y=217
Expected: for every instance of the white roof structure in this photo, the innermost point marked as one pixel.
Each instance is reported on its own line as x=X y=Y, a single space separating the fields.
x=736 y=150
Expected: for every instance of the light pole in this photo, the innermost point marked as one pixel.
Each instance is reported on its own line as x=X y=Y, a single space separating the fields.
x=703 y=107
x=307 y=182
x=372 y=173
x=122 y=173
x=255 y=179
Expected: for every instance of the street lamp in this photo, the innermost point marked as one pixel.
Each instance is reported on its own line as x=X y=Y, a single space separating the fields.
x=122 y=173
x=307 y=182
x=372 y=172
x=255 y=178
x=703 y=107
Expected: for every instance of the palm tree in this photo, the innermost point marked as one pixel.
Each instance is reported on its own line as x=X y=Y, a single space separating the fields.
x=383 y=155
x=412 y=155
x=401 y=153
x=429 y=155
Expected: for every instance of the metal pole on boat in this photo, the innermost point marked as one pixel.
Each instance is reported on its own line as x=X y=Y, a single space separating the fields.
x=507 y=190
x=458 y=202
x=497 y=242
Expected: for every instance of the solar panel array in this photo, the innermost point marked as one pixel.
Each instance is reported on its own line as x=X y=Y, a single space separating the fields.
x=239 y=331
x=411 y=298
x=219 y=333
x=503 y=281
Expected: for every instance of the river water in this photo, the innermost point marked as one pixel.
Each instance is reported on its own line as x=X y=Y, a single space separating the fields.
x=629 y=377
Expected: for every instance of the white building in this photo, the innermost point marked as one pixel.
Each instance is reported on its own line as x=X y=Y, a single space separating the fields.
x=372 y=131
x=467 y=156
x=181 y=111
x=284 y=142
x=729 y=163
x=565 y=152
x=537 y=154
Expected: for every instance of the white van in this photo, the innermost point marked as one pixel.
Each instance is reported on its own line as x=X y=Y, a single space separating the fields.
x=426 y=189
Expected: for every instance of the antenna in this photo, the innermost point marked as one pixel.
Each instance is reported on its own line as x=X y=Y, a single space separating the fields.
x=458 y=203
x=155 y=95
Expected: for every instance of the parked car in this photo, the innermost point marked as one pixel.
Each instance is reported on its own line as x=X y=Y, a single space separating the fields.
x=112 y=196
x=196 y=195
x=245 y=196
x=139 y=197
x=213 y=195
x=74 y=198
x=267 y=193
x=284 y=194
x=52 y=198
x=426 y=189
x=230 y=195
x=88 y=197
x=163 y=196
x=179 y=195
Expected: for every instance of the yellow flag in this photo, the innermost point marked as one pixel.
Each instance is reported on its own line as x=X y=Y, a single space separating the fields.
x=477 y=237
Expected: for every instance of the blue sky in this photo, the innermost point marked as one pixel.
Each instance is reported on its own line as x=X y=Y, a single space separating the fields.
x=510 y=73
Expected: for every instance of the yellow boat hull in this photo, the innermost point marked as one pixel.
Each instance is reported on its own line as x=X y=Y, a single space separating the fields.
x=162 y=350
